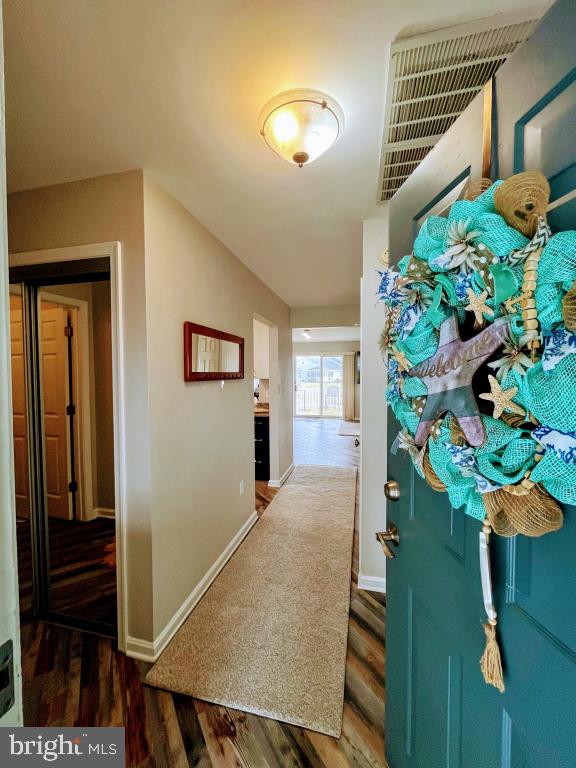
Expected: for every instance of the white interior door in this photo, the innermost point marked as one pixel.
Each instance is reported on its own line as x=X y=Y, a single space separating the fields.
x=208 y=354
x=55 y=400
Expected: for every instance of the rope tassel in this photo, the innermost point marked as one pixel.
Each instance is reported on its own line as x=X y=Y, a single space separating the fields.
x=491 y=661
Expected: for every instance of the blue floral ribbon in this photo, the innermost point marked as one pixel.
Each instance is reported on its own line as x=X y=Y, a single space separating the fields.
x=557 y=345
x=463 y=457
x=562 y=444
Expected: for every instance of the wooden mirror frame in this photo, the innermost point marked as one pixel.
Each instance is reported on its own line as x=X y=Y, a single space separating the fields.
x=203 y=330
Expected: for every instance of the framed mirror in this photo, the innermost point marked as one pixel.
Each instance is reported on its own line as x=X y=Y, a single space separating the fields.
x=211 y=355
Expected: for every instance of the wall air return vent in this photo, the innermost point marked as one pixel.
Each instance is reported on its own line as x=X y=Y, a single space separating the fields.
x=432 y=79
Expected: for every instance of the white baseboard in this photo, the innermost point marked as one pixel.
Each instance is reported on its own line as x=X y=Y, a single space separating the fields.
x=285 y=476
x=150 y=651
x=372 y=583
x=103 y=512
x=139 y=649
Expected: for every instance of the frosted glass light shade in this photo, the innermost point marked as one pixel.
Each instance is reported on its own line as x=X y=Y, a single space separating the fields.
x=301 y=125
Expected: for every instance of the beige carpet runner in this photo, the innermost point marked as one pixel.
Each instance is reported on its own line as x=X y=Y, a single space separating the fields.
x=270 y=635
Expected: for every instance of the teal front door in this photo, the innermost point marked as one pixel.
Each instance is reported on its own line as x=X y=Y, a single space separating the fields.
x=439 y=711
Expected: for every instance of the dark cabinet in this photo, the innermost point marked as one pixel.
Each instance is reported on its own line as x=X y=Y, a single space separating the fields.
x=262 y=447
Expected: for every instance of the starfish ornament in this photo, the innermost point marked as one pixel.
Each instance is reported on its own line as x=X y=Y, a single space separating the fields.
x=502 y=398
x=477 y=304
x=511 y=304
x=448 y=378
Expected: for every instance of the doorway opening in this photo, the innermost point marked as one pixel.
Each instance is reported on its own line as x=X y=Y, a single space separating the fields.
x=64 y=456
x=261 y=335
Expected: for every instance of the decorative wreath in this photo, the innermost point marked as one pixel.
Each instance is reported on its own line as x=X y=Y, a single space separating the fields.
x=480 y=333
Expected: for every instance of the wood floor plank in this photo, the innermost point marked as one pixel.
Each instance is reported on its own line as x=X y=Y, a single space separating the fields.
x=365 y=690
x=251 y=742
x=360 y=741
x=290 y=752
x=366 y=613
x=192 y=736
x=163 y=729
x=138 y=746
x=220 y=734
x=366 y=646
x=328 y=749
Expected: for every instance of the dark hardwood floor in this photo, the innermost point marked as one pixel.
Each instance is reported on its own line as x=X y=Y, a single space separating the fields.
x=72 y=678
x=82 y=568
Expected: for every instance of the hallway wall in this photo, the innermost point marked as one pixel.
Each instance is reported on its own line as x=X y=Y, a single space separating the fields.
x=202 y=438
x=105 y=209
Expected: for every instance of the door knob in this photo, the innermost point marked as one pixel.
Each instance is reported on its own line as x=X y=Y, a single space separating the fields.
x=390 y=535
x=392 y=490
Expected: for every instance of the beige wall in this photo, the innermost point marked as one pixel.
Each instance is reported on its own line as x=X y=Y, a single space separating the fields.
x=261 y=341
x=105 y=209
x=325 y=317
x=202 y=434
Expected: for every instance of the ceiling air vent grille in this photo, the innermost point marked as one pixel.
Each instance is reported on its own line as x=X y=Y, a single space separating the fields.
x=432 y=79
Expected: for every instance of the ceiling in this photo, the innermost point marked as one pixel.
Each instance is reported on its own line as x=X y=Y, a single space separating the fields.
x=101 y=86
x=346 y=333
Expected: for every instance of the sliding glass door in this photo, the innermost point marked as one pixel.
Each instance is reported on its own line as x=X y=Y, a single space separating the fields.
x=318 y=385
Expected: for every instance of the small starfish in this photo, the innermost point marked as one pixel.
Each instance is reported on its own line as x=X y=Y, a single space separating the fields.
x=502 y=398
x=513 y=300
x=403 y=362
x=477 y=304
x=511 y=303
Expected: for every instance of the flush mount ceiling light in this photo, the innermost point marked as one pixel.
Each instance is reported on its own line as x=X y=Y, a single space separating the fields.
x=301 y=125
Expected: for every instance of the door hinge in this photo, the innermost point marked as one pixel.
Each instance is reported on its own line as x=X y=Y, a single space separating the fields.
x=73 y=486
x=70 y=410
x=68 y=331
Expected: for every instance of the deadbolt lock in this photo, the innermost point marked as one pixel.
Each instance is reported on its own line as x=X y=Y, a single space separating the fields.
x=392 y=490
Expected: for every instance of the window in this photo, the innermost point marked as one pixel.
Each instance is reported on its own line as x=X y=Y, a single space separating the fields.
x=318 y=385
